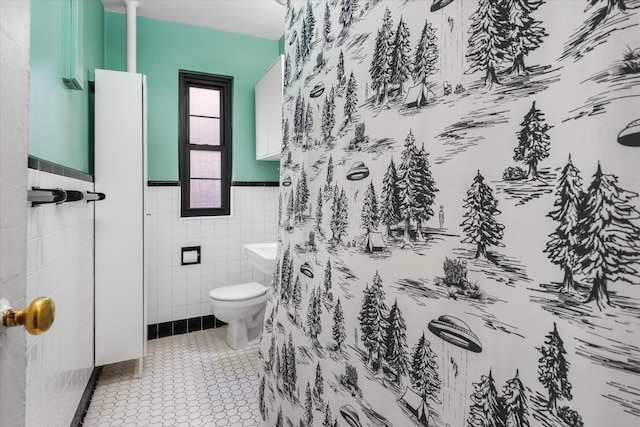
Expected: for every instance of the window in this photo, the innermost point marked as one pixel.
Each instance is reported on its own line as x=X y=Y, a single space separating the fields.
x=205 y=144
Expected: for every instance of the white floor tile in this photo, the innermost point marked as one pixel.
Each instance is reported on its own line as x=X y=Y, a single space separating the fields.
x=192 y=379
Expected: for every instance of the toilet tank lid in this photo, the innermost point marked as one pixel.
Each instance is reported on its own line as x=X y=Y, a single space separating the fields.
x=239 y=292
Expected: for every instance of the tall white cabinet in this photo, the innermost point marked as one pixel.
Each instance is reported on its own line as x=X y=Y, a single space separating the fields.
x=120 y=171
x=269 y=112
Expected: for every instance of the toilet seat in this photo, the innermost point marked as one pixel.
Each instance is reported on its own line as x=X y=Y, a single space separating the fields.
x=243 y=291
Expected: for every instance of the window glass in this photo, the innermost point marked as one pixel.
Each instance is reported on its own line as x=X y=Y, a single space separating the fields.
x=205 y=164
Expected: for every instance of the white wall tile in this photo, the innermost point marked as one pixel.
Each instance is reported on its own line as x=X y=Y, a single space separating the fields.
x=184 y=290
x=60 y=266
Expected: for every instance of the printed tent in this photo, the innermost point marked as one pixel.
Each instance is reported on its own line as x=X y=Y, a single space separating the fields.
x=416 y=405
x=375 y=243
x=417 y=96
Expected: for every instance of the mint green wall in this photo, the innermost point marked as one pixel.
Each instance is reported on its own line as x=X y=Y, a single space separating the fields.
x=281 y=45
x=59 y=118
x=163 y=49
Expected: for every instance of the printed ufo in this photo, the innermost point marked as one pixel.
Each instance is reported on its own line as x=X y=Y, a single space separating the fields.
x=439 y=4
x=286 y=181
x=306 y=269
x=317 y=90
x=350 y=415
x=357 y=172
x=456 y=332
x=630 y=136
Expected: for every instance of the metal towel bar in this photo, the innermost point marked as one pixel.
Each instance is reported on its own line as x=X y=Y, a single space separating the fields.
x=42 y=196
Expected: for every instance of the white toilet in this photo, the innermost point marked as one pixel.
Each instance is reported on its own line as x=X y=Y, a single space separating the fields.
x=242 y=307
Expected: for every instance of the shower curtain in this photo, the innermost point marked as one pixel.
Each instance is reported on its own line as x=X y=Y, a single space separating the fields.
x=459 y=216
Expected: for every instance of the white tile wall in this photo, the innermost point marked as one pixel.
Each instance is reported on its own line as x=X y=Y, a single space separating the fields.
x=178 y=292
x=60 y=266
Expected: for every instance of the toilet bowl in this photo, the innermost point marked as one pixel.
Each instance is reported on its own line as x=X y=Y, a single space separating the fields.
x=242 y=307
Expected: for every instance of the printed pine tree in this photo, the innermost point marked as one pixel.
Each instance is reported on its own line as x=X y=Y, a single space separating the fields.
x=296 y=297
x=533 y=141
x=553 y=369
x=486 y=410
x=278 y=364
x=390 y=203
x=351 y=99
x=308 y=405
x=298 y=119
x=397 y=355
x=347 y=12
x=409 y=182
x=262 y=404
x=338 y=332
x=423 y=371
x=285 y=135
x=561 y=248
x=304 y=41
x=370 y=217
x=286 y=274
x=609 y=245
x=480 y=225
x=380 y=70
x=284 y=368
x=525 y=33
x=426 y=55
x=319 y=203
x=319 y=383
x=298 y=57
x=303 y=195
x=308 y=125
x=329 y=183
x=279 y=422
x=488 y=43
x=327 y=279
x=310 y=20
x=291 y=371
x=326 y=28
x=287 y=71
x=515 y=403
x=341 y=79
x=328 y=421
x=290 y=210
x=366 y=322
x=314 y=312
x=425 y=191
x=272 y=353
x=378 y=317
x=400 y=62
x=339 y=216
x=328 y=117
x=275 y=277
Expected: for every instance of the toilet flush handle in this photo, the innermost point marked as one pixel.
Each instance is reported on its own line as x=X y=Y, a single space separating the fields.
x=37 y=318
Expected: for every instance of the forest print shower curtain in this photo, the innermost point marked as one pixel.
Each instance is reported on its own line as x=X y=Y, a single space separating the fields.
x=459 y=216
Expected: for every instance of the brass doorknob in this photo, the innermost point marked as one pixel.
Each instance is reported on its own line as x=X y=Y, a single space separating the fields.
x=37 y=318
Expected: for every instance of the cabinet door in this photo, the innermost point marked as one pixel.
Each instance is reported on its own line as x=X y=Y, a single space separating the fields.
x=269 y=112
x=119 y=218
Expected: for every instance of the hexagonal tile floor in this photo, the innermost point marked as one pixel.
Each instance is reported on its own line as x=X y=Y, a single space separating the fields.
x=192 y=379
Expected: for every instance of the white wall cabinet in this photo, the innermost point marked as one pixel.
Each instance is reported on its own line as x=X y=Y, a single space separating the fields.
x=269 y=112
x=120 y=171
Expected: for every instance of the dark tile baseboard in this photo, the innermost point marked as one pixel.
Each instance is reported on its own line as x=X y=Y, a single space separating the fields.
x=85 y=400
x=177 y=327
x=56 y=169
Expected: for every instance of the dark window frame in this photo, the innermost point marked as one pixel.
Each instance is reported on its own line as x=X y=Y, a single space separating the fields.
x=224 y=84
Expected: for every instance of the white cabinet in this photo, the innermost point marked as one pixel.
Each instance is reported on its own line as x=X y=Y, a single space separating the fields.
x=269 y=112
x=120 y=172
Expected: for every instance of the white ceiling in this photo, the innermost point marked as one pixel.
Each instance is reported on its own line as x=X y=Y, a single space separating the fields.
x=259 y=18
